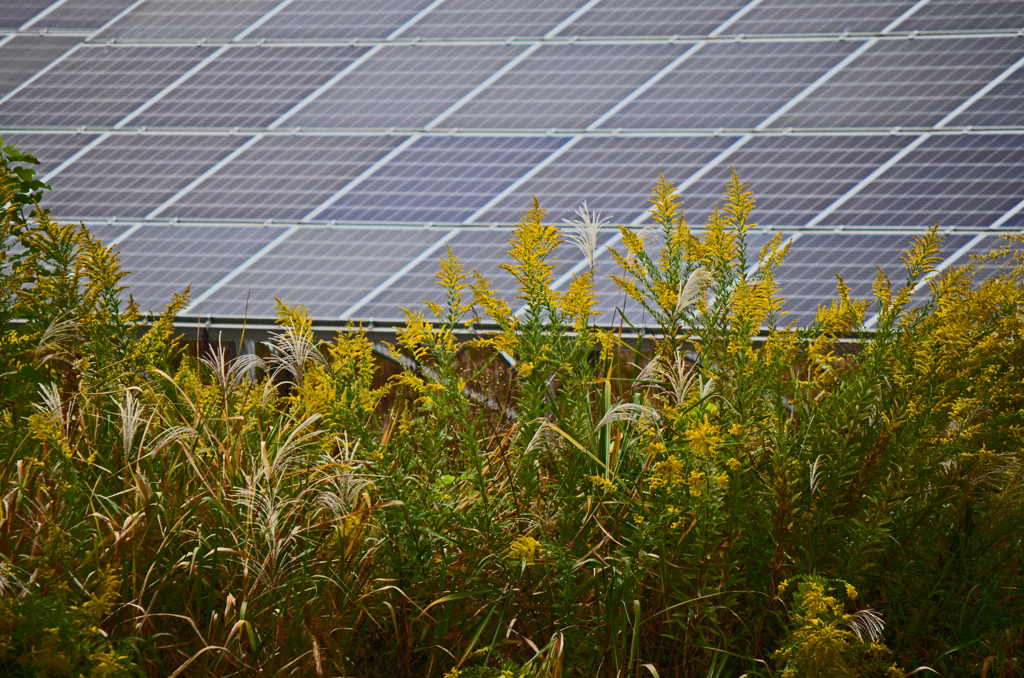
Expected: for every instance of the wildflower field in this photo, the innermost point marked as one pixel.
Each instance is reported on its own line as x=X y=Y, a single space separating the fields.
x=729 y=496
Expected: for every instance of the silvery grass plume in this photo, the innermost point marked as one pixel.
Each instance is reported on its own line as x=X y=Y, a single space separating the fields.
x=866 y=623
x=816 y=471
x=291 y=351
x=231 y=373
x=645 y=232
x=631 y=413
x=51 y=344
x=130 y=412
x=53 y=407
x=693 y=290
x=680 y=377
x=584 y=234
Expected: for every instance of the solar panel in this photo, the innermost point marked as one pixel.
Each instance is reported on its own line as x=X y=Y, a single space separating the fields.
x=442 y=179
x=24 y=56
x=730 y=85
x=653 y=17
x=186 y=19
x=320 y=19
x=15 y=14
x=905 y=83
x=957 y=15
x=614 y=175
x=98 y=86
x=282 y=177
x=248 y=87
x=815 y=16
x=795 y=178
x=957 y=180
x=404 y=86
x=483 y=250
x=49 y=149
x=167 y=259
x=471 y=18
x=327 y=270
x=1004 y=105
x=564 y=86
x=808 y=275
x=990 y=268
x=83 y=14
x=130 y=175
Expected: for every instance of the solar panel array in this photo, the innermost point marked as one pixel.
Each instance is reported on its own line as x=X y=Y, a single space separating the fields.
x=327 y=151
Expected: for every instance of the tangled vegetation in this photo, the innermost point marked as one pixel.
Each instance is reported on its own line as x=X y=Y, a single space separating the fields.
x=744 y=498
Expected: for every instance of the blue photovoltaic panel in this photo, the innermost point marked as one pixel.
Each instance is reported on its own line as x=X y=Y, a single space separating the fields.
x=82 y=14
x=98 y=86
x=320 y=19
x=730 y=85
x=483 y=250
x=282 y=177
x=49 y=149
x=248 y=87
x=131 y=175
x=614 y=175
x=15 y=13
x=815 y=16
x=807 y=277
x=404 y=86
x=26 y=55
x=327 y=270
x=564 y=86
x=167 y=259
x=653 y=17
x=794 y=178
x=441 y=179
x=1004 y=105
x=966 y=15
x=906 y=83
x=186 y=19
x=475 y=19
x=955 y=180
x=107 y=232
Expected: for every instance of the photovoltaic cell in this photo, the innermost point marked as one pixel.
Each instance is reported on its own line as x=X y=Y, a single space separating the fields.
x=186 y=19
x=26 y=55
x=130 y=175
x=83 y=14
x=325 y=269
x=794 y=178
x=1004 y=105
x=956 y=180
x=17 y=13
x=814 y=16
x=730 y=85
x=807 y=277
x=653 y=17
x=441 y=179
x=167 y=259
x=958 y=15
x=483 y=250
x=98 y=86
x=282 y=177
x=248 y=87
x=905 y=83
x=614 y=175
x=564 y=86
x=403 y=86
x=475 y=19
x=49 y=149
x=320 y=19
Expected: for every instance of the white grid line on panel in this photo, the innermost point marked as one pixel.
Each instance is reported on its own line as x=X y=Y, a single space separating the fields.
x=469 y=96
x=397 y=275
x=41 y=73
x=37 y=17
x=284 y=236
x=1014 y=211
x=116 y=18
x=843 y=199
x=262 y=20
x=7 y=39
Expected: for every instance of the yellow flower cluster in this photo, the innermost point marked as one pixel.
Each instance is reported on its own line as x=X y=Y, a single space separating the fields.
x=525 y=550
x=704 y=437
x=666 y=473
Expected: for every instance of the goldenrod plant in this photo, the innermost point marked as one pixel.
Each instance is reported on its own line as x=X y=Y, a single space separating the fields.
x=725 y=495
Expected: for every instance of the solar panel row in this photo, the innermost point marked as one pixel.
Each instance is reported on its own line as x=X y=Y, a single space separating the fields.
x=969 y=181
